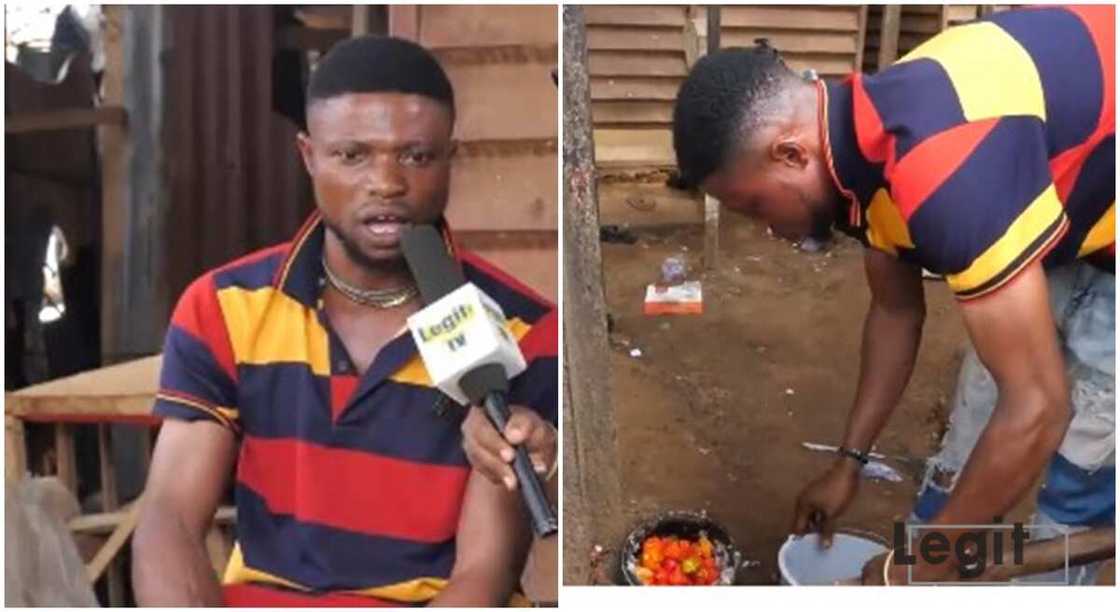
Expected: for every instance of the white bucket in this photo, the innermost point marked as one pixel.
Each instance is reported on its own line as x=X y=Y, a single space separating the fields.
x=801 y=560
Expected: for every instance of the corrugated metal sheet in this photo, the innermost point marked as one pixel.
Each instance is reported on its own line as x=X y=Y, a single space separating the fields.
x=236 y=180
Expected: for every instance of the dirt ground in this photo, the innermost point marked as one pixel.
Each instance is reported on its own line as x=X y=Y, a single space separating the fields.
x=712 y=414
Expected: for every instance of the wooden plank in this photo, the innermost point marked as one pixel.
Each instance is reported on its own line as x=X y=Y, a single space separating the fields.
x=126 y=389
x=103 y=523
x=116 y=541
x=535 y=266
x=830 y=65
x=962 y=12
x=66 y=119
x=504 y=101
x=635 y=63
x=919 y=24
x=794 y=40
x=15 y=449
x=711 y=233
x=499 y=193
x=639 y=147
x=482 y=26
x=888 y=35
x=631 y=38
x=110 y=501
x=626 y=111
x=65 y=456
x=837 y=18
x=635 y=88
x=657 y=15
x=359 y=25
x=404 y=21
x=862 y=35
x=115 y=154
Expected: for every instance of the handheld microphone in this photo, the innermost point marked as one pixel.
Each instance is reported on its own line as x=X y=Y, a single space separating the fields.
x=469 y=353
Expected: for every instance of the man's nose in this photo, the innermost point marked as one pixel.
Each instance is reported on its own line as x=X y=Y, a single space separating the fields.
x=384 y=178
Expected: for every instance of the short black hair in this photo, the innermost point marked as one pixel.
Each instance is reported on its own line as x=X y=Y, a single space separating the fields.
x=371 y=64
x=715 y=103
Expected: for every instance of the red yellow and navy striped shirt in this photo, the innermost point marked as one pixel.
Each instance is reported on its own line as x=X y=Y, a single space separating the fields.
x=986 y=148
x=344 y=484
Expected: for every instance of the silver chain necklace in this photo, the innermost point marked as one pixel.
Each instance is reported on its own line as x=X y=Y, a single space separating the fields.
x=374 y=298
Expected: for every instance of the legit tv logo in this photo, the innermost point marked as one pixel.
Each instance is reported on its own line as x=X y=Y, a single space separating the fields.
x=976 y=550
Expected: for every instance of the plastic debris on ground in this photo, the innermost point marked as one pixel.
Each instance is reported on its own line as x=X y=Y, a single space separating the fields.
x=877 y=470
x=636 y=352
x=685 y=298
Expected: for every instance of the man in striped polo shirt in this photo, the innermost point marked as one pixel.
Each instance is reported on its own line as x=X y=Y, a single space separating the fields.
x=292 y=370
x=986 y=155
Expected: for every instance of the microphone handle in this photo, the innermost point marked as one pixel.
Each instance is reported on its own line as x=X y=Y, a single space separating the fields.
x=532 y=490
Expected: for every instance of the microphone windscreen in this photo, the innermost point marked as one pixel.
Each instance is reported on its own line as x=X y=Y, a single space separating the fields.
x=432 y=266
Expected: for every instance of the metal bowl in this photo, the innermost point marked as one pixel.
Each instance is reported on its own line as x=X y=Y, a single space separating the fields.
x=683 y=524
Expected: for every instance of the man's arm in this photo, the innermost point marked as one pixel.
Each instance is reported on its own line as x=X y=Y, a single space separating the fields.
x=190 y=470
x=1014 y=335
x=891 y=334
x=490 y=547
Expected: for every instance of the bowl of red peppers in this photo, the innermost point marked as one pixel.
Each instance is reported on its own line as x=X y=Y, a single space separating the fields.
x=679 y=549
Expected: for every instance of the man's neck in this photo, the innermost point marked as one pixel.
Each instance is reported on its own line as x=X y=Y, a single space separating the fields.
x=390 y=275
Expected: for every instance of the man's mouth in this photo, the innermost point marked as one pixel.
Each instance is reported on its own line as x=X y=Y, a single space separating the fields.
x=385 y=227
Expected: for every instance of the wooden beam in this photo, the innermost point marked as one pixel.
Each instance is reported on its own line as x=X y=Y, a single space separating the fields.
x=404 y=21
x=592 y=485
x=861 y=37
x=115 y=153
x=711 y=233
x=110 y=501
x=711 y=205
x=888 y=37
x=67 y=464
x=105 y=522
x=15 y=449
x=943 y=15
x=64 y=119
x=360 y=23
x=116 y=541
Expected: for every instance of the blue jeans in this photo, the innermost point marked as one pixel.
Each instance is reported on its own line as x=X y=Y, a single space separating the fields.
x=1080 y=484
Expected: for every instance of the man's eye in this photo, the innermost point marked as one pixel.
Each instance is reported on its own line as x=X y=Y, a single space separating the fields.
x=417 y=158
x=348 y=156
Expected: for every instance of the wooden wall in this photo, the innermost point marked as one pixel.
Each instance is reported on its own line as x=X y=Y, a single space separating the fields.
x=827 y=39
x=503 y=186
x=917 y=24
x=639 y=55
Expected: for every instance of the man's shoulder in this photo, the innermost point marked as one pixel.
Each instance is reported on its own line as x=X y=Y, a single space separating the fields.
x=515 y=297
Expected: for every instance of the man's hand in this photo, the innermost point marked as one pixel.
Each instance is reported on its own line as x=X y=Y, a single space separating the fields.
x=826 y=498
x=491 y=454
x=900 y=575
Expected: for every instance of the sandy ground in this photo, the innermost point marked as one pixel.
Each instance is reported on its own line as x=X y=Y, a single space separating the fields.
x=713 y=413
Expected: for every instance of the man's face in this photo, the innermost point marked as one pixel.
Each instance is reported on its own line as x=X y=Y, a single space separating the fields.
x=784 y=187
x=378 y=161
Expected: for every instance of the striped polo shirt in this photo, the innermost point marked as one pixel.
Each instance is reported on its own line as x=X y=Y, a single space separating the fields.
x=986 y=148
x=344 y=484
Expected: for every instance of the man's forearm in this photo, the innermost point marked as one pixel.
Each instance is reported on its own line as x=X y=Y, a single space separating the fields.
x=890 y=346
x=1025 y=430
x=170 y=566
x=473 y=589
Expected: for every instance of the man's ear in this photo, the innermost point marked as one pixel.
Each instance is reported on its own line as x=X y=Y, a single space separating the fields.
x=789 y=151
x=306 y=151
